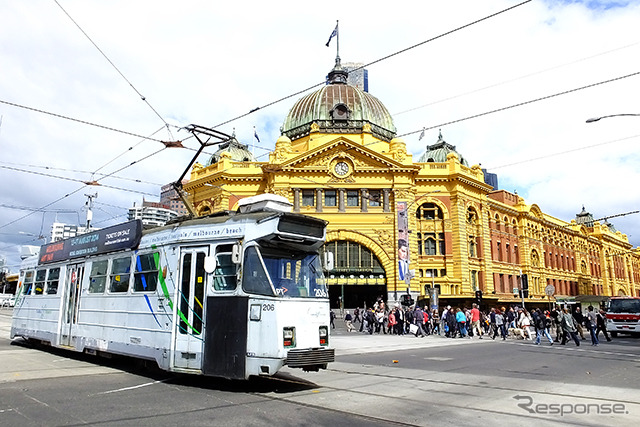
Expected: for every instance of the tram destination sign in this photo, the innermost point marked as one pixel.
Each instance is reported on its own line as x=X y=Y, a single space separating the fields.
x=117 y=237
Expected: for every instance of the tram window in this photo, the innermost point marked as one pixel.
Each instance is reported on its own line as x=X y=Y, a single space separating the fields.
x=39 y=285
x=224 y=276
x=52 y=281
x=120 y=272
x=254 y=278
x=98 y=278
x=145 y=278
x=28 y=282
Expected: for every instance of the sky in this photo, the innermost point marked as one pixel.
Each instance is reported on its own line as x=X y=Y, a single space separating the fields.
x=512 y=92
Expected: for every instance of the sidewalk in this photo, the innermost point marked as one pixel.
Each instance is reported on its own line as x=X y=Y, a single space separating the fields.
x=349 y=343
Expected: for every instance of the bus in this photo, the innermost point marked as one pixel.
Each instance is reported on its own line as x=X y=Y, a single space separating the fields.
x=623 y=315
x=230 y=295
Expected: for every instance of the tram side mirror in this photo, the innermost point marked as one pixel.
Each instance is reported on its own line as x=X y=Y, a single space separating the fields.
x=235 y=254
x=209 y=264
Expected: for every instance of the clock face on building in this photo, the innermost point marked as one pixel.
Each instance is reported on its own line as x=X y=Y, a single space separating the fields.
x=341 y=168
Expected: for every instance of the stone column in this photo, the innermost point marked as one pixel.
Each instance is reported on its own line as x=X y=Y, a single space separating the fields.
x=296 y=200
x=319 y=200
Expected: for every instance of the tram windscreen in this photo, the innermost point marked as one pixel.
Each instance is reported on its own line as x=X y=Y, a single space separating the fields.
x=286 y=273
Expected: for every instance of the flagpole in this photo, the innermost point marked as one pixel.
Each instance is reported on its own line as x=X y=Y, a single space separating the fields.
x=338 y=41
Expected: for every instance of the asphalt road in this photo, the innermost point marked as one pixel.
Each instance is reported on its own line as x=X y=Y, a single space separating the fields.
x=376 y=380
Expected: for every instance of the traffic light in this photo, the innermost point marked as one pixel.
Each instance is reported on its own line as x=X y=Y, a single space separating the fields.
x=406 y=300
x=525 y=286
x=478 y=297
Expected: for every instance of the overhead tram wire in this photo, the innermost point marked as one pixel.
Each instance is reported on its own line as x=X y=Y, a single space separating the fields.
x=78 y=171
x=124 y=152
x=520 y=104
x=586 y=147
x=75 y=191
x=89 y=183
x=374 y=62
x=117 y=69
x=260 y=107
x=167 y=144
x=42 y=208
x=460 y=95
x=84 y=122
x=443 y=34
x=27 y=208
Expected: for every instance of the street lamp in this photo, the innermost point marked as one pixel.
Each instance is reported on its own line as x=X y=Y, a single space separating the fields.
x=595 y=119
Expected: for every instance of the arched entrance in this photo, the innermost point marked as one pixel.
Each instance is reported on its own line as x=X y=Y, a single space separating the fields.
x=357 y=278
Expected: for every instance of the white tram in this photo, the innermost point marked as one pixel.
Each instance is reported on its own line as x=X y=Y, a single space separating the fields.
x=229 y=295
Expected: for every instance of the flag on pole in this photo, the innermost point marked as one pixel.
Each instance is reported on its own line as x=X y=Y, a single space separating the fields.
x=333 y=34
x=255 y=133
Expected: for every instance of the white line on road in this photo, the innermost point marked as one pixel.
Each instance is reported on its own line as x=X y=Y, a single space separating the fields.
x=130 y=388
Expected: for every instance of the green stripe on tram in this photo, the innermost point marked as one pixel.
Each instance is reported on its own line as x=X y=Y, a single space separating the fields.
x=165 y=291
x=163 y=285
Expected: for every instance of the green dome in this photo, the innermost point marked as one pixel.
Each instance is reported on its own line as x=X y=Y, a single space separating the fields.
x=238 y=152
x=439 y=151
x=339 y=108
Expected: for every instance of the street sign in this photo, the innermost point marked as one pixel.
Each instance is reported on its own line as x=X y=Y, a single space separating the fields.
x=516 y=290
x=550 y=290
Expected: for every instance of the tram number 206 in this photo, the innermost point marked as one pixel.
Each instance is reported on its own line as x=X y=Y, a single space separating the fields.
x=268 y=307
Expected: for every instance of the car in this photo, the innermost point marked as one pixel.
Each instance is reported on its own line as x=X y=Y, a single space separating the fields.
x=7 y=300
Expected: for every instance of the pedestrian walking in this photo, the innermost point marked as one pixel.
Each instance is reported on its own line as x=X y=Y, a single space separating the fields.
x=569 y=326
x=591 y=323
x=539 y=322
x=500 y=326
x=348 y=320
x=461 y=319
x=475 y=321
x=601 y=325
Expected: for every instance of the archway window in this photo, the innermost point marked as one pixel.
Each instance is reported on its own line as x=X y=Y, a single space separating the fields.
x=351 y=257
x=429 y=211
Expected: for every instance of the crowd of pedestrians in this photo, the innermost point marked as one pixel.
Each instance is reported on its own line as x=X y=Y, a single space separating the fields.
x=558 y=325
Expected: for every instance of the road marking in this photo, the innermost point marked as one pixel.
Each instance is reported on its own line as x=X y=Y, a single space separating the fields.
x=584 y=350
x=131 y=388
x=439 y=359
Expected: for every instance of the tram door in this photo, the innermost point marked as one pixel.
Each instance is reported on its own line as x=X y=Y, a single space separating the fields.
x=71 y=302
x=190 y=301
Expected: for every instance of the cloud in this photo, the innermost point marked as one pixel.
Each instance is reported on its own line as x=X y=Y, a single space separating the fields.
x=206 y=63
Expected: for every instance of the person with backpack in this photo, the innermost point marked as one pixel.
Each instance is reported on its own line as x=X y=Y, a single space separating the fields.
x=539 y=323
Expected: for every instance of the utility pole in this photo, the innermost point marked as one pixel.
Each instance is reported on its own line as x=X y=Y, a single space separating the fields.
x=89 y=205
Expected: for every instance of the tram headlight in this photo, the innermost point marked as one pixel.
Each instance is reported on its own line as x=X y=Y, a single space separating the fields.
x=324 y=335
x=289 y=336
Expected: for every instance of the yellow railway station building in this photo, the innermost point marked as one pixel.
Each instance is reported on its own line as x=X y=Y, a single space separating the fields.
x=399 y=225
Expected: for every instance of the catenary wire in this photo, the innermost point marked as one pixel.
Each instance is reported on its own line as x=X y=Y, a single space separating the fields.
x=375 y=62
x=116 y=68
x=52 y=168
x=84 y=122
x=491 y=86
x=520 y=104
